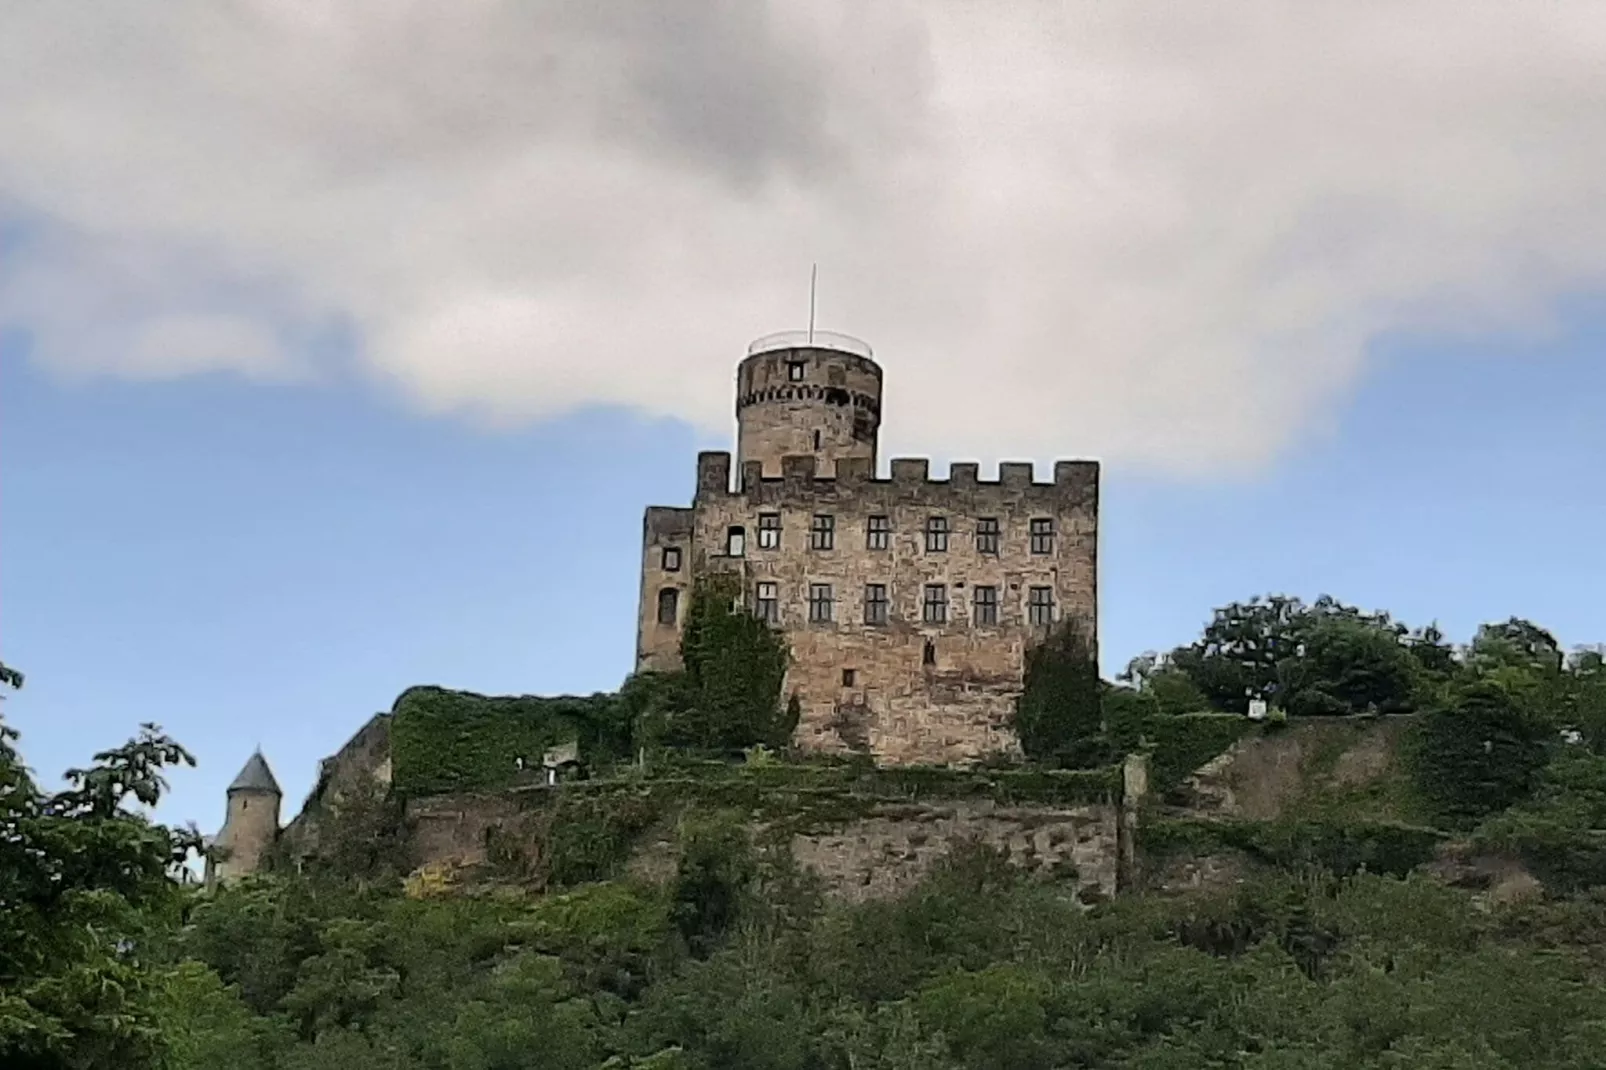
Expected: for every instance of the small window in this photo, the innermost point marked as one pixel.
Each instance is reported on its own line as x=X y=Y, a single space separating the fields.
x=736 y=542
x=820 y=603
x=987 y=535
x=928 y=656
x=984 y=601
x=671 y=559
x=1043 y=535
x=767 y=607
x=794 y=370
x=816 y=440
x=878 y=533
x=769 y=531
x=668 y=605
x=1040 y=605
x=935 y=606
x=937 y=535
x=822 y=532
x=875 y=603
x=849 y=676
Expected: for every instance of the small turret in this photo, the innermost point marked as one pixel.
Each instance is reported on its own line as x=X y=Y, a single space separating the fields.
x=250 y=824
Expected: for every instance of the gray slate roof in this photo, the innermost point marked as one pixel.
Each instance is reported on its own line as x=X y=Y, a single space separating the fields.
x=256 y=776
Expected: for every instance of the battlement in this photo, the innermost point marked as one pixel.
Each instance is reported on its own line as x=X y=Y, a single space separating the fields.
x=910 y=478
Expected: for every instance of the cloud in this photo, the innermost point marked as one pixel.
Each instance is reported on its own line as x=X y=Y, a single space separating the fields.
x=1159 y=234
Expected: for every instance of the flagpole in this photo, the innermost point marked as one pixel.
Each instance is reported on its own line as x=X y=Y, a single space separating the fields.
x=813 y=276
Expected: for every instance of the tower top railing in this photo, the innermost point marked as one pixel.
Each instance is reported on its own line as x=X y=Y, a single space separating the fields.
x=842 y=343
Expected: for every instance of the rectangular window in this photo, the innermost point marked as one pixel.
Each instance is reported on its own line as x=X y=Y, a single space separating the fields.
x=849 y=677
x=875 y=603
x=794 y=370
x=878 y=533
x=671 y=560
x=984 y=600
x=937 y=535
x=769 y=531
x=735 y=541
x=1040 y=605
x=822 y=532
x=1043 y=535
x=820 y=602
x=987 y=535
x=935 y=606
x=767 y=607
x=668 y=605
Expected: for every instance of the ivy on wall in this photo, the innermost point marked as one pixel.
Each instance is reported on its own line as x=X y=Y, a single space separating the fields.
x=730 y=696
x=1060 y=706
x=449 y=741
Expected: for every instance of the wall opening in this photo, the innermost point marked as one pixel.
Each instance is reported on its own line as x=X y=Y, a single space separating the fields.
x=928 y=656
x=849 y=676
x=736 y=541
x=668 y=605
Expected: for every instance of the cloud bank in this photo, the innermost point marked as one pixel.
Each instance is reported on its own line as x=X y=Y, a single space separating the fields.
x=1162 y=234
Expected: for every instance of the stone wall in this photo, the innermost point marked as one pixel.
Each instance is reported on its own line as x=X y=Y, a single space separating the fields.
x=363 y=760
x=810 y=400
x=880 y=854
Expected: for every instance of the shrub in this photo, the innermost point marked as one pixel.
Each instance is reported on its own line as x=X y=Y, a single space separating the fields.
x=1478 y=755
x=1060 y=705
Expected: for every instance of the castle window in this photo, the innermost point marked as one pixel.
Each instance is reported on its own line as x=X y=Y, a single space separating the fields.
x=928 y=655
x=984 y=601
x=848 y=677
x=935 y=606
x=736 y=541
x=1040 y=605
x=937 y=535
x=668 y=605
x=767 y=605
x=816 y=439
x=671 y=560
x=878 y=533
x=875 y=603
x=987 y=535
x=769 y=531
x=1043 y=535
x=822 y=532
x=820 y=603
x=794 y=370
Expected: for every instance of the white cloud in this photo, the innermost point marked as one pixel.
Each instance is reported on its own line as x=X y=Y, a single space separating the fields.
x=1158 y=233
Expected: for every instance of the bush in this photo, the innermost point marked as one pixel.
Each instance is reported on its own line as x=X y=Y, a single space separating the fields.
x=734 y=666
x=1060 y=706
x=1477 y=756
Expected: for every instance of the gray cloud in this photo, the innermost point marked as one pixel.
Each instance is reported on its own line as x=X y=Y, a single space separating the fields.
x=1067 y=229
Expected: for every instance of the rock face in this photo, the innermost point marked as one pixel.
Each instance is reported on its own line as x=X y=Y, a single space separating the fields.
x=908 y=602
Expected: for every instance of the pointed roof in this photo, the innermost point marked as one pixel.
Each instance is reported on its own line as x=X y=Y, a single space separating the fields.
x=256 y=776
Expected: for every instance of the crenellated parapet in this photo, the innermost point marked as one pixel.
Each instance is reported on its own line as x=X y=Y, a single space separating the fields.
x=1074 y=483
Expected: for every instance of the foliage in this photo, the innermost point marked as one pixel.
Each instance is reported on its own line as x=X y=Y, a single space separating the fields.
x=1479 y=754
x=83 y=880
x=1334 y=846
x=734 y=666
x=713 y=875
x=1060 y=702
x=449 y=741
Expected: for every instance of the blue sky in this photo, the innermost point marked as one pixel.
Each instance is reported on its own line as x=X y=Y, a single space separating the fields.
x=246 y=564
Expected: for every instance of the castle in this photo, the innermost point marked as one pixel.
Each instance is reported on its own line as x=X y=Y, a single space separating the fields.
x=908 y=603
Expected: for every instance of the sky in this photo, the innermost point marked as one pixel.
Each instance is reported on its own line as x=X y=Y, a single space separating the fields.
x=342 y=344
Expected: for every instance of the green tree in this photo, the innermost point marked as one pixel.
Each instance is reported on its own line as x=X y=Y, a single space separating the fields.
x=85 y=885
x=1480 y=754
x=734 y=667
x=1060 y=708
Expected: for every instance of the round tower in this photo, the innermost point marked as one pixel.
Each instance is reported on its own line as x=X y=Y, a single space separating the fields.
x=250 y=824
x=802 y=392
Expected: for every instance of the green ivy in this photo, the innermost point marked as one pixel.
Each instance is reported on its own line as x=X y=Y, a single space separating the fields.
x=734 y=667
x=1477 y=755
x=1339 y=847
x=1179 y=745
x=1059 y=708
x=452 y=741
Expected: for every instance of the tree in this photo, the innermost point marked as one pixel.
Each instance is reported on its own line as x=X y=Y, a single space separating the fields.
x=1480 y=754
x=82 y=881
x=734 y=667
x=1061 y=701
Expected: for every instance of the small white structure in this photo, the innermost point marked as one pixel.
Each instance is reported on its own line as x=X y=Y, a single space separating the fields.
x=1257 y=709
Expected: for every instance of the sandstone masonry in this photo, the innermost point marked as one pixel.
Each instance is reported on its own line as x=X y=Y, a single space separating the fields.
x=908 y=602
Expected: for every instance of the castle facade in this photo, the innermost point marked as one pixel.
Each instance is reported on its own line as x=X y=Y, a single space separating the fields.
x=908 y=603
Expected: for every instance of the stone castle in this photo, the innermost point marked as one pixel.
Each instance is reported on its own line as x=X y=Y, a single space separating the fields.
x=908 y=602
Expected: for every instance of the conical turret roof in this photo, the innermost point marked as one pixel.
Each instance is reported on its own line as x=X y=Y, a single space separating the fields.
x=256 y=776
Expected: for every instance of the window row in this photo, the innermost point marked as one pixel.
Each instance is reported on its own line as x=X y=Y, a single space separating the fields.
x=934 y=604
x=878 y=534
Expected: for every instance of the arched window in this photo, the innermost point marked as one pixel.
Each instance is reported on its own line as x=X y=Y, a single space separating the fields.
x=668 y=605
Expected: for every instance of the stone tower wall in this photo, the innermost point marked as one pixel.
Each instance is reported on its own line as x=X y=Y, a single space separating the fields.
x=833 y=412
x=250 y=828
x=658 y=641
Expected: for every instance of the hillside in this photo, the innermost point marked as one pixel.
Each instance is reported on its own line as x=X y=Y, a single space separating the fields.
x=1401 y=867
